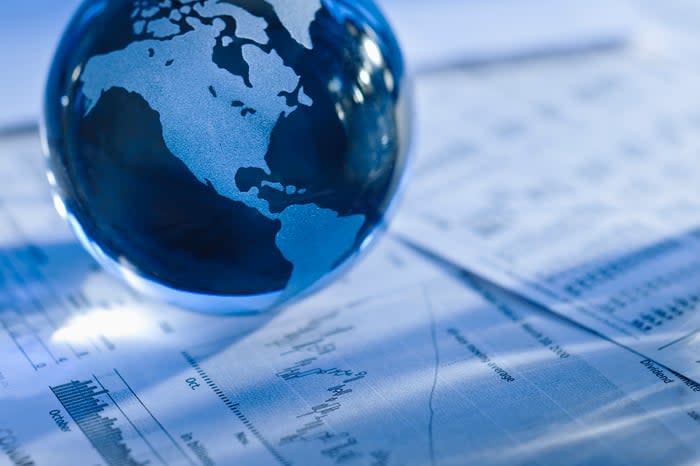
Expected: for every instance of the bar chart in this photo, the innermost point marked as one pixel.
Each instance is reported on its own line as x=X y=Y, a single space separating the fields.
x=117 y=423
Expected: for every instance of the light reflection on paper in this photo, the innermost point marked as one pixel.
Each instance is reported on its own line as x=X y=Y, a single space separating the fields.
x=116 y=323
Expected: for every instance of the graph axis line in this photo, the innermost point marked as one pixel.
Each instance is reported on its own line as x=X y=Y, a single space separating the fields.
x=19 y=347
x=18 y=277
x=678 y=340
x=235 y=409
x=42 y=309
x=433 y=387
x=7 y=262
x=106 y=392
x=161 y=426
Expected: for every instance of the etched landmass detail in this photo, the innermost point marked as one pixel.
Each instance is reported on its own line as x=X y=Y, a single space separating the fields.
x=218 y=122
x=297 y=16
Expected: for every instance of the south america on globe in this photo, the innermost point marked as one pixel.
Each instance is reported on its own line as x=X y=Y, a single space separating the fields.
x=227 y=155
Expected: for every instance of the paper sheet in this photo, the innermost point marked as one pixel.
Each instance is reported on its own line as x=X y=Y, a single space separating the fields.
x=575 y=183
x=397 y=364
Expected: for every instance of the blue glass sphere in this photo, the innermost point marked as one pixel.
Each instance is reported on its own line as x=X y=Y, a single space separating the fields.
x=227 y=155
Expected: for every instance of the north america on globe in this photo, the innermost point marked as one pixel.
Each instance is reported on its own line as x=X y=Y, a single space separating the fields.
x=215 y=144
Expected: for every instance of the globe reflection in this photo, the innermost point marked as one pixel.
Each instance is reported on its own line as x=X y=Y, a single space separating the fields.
x=227 y=155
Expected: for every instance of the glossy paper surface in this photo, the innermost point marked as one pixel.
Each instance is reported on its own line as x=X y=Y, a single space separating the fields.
x=583 y=188
x=397 y=364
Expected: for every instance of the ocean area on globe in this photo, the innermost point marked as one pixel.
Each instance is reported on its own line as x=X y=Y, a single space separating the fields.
x=227 y=155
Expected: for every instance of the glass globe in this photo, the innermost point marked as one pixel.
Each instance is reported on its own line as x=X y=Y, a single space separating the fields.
x=227 y=155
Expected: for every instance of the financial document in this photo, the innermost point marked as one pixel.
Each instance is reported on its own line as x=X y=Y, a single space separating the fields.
x=574 y=182
x=567 y=180
x=399 y=363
